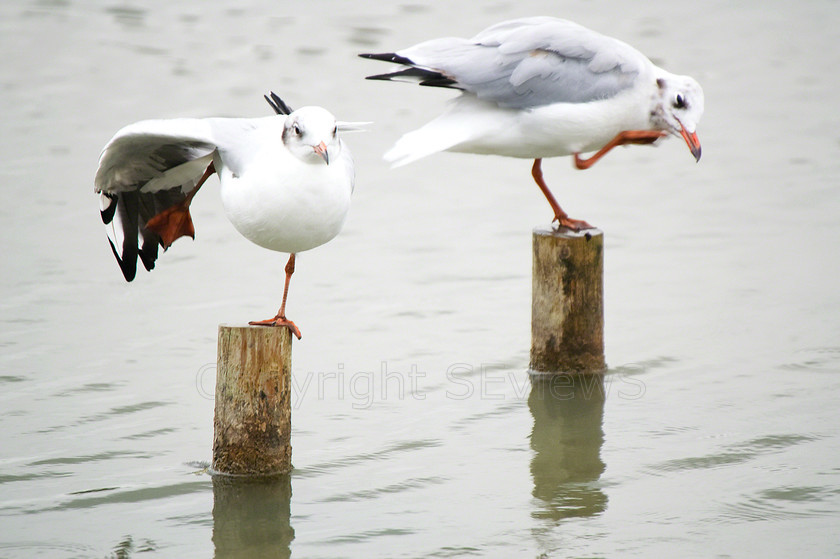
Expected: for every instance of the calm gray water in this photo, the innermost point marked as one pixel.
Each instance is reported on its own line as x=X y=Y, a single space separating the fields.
x=416 y=431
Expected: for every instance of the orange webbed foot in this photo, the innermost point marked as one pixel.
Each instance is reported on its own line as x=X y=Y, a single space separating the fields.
x=573 y=224
x=172 y=224
x=280 y=321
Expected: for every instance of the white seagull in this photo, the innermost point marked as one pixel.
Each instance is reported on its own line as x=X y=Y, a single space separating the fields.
x=544 y=87
x=286 y=182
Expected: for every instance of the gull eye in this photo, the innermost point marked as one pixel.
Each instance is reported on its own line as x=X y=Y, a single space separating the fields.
x=679 y=101
x=296 y=129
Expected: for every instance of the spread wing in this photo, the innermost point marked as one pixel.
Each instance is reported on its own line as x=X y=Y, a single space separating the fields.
x=145 y=168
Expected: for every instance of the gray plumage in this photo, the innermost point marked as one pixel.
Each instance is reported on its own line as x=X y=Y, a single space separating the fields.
x=525 y=63
x=541 y=87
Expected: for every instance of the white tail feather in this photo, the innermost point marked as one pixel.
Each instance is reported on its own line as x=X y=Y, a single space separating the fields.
x=436 y=136
x=467 y=120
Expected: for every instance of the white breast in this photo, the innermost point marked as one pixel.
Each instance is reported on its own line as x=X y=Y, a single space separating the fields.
x=284 y=204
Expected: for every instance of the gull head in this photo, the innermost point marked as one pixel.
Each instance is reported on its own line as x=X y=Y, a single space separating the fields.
x=309 y=132
x=678 y=108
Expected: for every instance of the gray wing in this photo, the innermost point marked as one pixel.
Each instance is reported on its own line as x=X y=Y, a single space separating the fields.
x=525 y=63
x=145 y=168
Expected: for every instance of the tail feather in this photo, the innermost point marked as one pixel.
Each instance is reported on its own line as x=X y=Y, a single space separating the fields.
x=417 y=145
x=451 y=129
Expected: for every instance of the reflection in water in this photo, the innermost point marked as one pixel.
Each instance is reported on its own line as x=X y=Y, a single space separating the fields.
x=251 y=516
x=568 y=411
x=127 y=547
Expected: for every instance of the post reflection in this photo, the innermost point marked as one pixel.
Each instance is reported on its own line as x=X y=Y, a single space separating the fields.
x=251 y=517
x=568 y=411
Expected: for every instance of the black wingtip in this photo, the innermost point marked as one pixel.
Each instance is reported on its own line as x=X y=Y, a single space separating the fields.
x=280 y=107
x=128 y=266
x=388 y=57
x=149 y=251
x=107 y=214
x=384 y=77
x=441 y=81
x=425 y=77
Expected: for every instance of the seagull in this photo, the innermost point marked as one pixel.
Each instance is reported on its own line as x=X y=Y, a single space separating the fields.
x=544 y=87
x=286 y=182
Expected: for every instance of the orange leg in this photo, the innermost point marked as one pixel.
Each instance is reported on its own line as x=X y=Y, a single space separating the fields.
x=622 y=138
x=175 y=222
x=562 y=217
x=280 y=319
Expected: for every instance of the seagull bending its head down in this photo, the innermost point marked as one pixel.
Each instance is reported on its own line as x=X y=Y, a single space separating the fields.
x=544 y=87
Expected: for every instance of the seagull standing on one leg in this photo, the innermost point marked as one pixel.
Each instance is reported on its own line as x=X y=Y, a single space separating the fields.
x=286 y=182
x=544 y=87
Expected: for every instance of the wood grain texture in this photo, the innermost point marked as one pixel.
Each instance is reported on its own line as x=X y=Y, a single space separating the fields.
x=567 y=306
x=252 y=424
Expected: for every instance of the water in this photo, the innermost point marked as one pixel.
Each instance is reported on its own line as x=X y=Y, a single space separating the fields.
x=416 y=431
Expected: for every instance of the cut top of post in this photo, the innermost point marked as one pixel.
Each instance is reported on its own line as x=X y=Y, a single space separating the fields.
x=552 y=231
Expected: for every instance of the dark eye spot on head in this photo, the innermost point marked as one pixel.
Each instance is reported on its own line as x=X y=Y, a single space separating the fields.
x=679 y=101
x=296 y=129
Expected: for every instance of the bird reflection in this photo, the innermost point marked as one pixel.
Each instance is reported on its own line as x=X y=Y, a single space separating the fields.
x=568 y=411
x=251 y=517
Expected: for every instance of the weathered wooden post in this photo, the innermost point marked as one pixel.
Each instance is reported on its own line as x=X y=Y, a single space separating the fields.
x=252 y=425
x=567 y=302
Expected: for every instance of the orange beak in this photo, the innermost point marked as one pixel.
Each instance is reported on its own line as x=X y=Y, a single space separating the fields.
x=321 y=149
x=693 y=142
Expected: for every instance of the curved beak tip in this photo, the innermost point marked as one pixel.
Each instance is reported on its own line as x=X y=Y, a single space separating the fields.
x=693 y=143
x=321 y=149
x=694 y=146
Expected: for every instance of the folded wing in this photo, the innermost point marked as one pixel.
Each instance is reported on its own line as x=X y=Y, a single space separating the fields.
x=523 y=63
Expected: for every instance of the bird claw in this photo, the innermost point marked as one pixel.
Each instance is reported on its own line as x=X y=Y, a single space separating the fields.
x=280 y=321
x=572 y=224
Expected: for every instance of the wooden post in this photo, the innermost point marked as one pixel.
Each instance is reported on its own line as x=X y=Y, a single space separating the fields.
x=252 y=425
x=567 y=302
